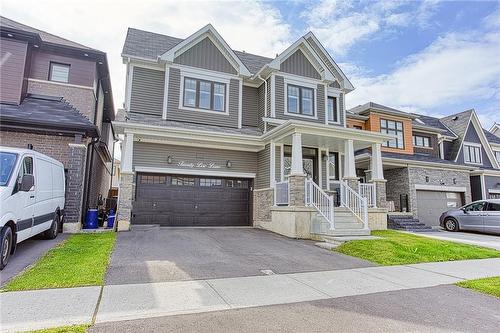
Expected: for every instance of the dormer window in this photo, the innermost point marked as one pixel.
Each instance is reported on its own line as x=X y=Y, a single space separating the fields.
x=472 y=153
x=59 y=72
x=421 y=141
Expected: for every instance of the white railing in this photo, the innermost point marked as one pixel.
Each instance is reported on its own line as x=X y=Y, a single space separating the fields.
x=281 y=193
x=317 y=198
x=354 y=202
x=368 y=191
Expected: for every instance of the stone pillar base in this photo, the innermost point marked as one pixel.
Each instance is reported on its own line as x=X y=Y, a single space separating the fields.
x=297 y=188
x=123 y=225
x=72 y=228
x=377 y=218
x=263 y=200
x=125 y=197
x=352 y=183
x=380 y=192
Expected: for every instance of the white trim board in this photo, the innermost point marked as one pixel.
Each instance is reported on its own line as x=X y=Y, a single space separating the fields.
x=440 y=188
x=195 y=172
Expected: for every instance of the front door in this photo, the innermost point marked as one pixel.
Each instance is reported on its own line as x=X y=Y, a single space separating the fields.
x=309 y=162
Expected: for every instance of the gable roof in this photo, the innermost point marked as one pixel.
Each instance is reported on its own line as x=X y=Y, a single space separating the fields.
x=44 y=36
x=46 y=113
x=492 y=138
x=436 y=123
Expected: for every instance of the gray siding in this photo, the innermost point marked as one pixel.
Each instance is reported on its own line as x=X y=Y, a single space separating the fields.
x=279 y=95
x=261 y=104
x=277 y=156
x=193 y=116
x=341 y=108
x=155 y=155
x=472 y=136
x=205 y=55
x=250 y=107
x=147 y=91
x=262 y=179
x=12 y=70
x=320 y=102
x=298 y=64
x=81 y=72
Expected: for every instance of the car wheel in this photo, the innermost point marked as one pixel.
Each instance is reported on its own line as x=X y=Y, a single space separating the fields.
x=451 y=224
x=6 y=246
x=54 y=228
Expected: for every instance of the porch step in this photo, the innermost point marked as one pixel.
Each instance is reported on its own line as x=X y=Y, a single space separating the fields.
x=406 y=223
x=347 y=232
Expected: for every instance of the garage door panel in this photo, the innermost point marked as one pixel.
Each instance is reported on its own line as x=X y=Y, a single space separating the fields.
x=191 y=201
x=431 y=204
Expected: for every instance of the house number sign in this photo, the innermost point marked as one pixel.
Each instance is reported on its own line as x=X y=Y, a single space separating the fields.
x=201 y=165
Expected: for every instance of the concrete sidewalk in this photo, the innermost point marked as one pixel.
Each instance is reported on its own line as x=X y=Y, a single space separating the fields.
x=491 y=241
x=49 y=308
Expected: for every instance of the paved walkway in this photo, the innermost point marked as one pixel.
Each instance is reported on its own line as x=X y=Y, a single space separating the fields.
x=49 y=308
x=491 y=241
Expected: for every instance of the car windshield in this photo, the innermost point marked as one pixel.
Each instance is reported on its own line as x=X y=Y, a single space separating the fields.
x=7 y=163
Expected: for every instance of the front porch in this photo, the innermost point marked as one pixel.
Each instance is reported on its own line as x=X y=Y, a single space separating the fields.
x=314 y=190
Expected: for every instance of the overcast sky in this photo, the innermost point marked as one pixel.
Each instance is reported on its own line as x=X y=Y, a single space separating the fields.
x=431 y=57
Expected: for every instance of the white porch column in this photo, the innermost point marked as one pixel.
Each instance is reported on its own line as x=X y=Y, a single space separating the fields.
x=376 y=163
x=349 y=162
x=127 y=149
x=297 y=168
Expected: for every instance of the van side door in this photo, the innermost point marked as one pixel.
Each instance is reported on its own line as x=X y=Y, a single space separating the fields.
x=491 y=218
x=45 y=205
x=472 y=219
x=24 y=200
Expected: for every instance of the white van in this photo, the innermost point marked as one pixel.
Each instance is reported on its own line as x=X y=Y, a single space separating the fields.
x=32 y=189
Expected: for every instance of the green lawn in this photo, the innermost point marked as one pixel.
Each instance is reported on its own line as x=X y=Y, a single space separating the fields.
x=397 y=248
x=490 y=286
x=65 y=329
x=81 y=260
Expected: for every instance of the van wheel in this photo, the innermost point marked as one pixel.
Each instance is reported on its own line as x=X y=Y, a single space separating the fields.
x=54 y=228
x=6 y=246
x=450 y=224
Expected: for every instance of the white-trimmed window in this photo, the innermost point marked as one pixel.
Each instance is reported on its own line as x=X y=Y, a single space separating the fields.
x=332 y=109
x=59 y=72
x=472 y=154
x=204 y=94
x=300 y=100
x=421 y=141
x=395 y=128
x=497 y=155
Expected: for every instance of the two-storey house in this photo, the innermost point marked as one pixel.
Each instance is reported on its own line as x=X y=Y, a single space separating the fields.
x=55 y=96
x=213 y=136
x=433 y=164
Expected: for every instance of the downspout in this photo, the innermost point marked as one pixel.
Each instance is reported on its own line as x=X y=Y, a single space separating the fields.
x=265 y=100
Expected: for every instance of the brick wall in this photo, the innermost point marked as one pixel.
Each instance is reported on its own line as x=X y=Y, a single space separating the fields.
x=355 y=122
x=83 y=99
x=397 y=185
x=100 y=179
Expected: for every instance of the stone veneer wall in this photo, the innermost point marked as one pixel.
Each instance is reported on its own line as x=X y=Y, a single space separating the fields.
x=125 y=198
x=397 y=184
x=83 y=99
x=263 y=200
x=437 y=177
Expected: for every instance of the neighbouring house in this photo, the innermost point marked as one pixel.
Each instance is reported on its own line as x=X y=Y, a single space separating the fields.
x=495 y=129
x=213 y=137
x=55 y=95
x=433 y=164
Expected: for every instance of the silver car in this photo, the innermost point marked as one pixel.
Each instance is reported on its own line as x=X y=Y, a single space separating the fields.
x=481 y=215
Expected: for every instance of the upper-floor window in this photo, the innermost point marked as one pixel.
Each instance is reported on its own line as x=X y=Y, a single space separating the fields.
x=472 y=154
x=421 y=141
x=395 y=128
x=59 y=72
x=332 y=109
x=204 y=94
x=300 y=100
x=497 y=155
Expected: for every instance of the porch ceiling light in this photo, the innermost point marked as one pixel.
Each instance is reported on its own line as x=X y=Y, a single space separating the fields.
x=229 y=164
x=169 y=159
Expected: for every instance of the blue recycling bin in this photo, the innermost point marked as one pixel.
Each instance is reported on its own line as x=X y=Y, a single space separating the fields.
x=111 y=219
x=91 y=220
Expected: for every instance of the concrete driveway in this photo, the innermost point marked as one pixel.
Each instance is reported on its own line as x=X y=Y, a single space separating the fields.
x=471 y=238
x=154 y=254
x=26 y=254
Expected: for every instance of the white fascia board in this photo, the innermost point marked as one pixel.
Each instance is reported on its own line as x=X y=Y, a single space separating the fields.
x=195 y=172
x=210 y=31
x=484 y=140
x=462 y=139
x=348 y=84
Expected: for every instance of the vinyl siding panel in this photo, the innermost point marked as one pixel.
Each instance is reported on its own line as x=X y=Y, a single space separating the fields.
x=262 y=179
x=155 y=155
x=261 y=105
x=279 y=86
x=277 y=155
x=81 y=72
x=320 y=102
x=250 y=108
x=147 y=91
x=298 y=64
x=205 y=55
x=201 y=117
x=14 y=55
x=342 y=109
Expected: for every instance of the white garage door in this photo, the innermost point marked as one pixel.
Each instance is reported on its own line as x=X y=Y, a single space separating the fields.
x=431 y=204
